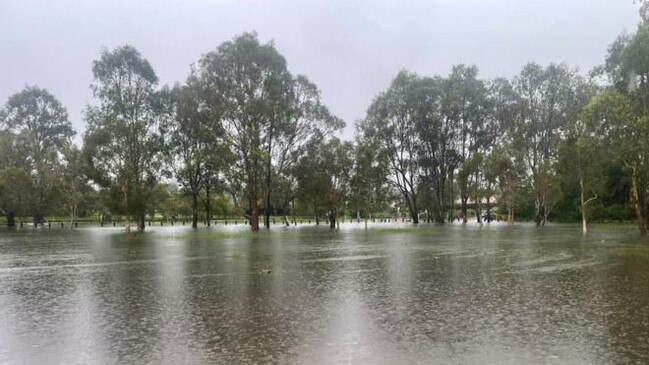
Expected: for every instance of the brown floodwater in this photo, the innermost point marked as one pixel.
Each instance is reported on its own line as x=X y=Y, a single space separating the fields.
x=391 y=294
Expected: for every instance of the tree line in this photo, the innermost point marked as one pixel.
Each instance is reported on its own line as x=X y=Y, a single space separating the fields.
x=244 y=136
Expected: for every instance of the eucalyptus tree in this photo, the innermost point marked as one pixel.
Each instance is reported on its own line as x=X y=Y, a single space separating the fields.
x=546 y=101
x=123 y=140
x=302 y=118
x=623 y=130
x=391 y=125
x=312 y=183
x=469 y=107
x=506 y=162
x=369 y=184
x=40 y=124
x=621 y=114
x=192 y=141
x=324 y=175
x=247 y=86
x=438 y=133
x=73 y=184
x=506 y=167
x=581 y=156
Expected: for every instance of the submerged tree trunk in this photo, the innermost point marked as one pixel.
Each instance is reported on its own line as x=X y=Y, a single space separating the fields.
x=637 y=204
x=11 y=219
x=140 y=222
x=411 y=201
x=415 y=212
x=267 y=207
x=465 y=200
x=584 y=229
x=540 y=211
x=194 y=210
x=72 y=216
x=332 y=218
x=208 y=212
x=254 y=213
x=510 y=207
x=127 y=208
x=488 y=209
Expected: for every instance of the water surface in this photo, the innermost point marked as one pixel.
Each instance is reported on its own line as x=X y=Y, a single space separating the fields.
x=309 y=295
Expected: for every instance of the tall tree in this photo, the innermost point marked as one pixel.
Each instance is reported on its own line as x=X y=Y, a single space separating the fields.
x=192 y=141
x=247 y=85
x=302 y=118
x=622 y=113
x=547 y=100
x=437 y=129
x=623 y=130
x=73 y=182
x=580 y=155
x=41 y=125
x=391 y=124
x=324 y=174
x=123 y=139
x=470 y=109
x=369 y=189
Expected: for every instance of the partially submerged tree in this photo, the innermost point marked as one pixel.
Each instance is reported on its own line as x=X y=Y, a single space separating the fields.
x=469 y=108
x=302 y=119
x=247 y=85
x=123 y=139
x=323 y=175
x=192 y=142
x=546 y=105
x=391 y=124
x=73 y=182
x=40 y=124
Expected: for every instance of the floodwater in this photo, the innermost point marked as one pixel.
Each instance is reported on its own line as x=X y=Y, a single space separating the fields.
x=309 y=295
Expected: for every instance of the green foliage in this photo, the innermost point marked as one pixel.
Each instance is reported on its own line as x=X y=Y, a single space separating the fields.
x=16 y=191
x=244 y=136
x=36 y=130
x=123 y=140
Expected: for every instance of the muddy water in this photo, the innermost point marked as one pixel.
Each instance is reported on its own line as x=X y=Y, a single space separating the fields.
x=307 y=295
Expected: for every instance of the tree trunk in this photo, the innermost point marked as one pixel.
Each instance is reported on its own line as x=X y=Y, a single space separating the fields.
x=583 y=205
x=254 y=213
x=637 y=204
x=11 y=219
x=194 y=210
x=415 y=212
x=465 y=200
x=332 y=219
x=540 y=215
x=478 y=211
x=208 y=211
x=510 y=207
x=488 y=209
x=411 y=200
x=72 y=216
x=127 y=208
x=267 y=206
x=140 y=222
x=269 y=165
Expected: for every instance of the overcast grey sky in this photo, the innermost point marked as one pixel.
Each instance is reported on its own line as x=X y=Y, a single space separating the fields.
x=350 y=49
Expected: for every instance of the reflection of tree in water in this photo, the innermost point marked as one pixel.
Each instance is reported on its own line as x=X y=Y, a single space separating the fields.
x=130 y=309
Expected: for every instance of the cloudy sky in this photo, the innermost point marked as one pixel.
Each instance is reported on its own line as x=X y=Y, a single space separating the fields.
x=349 y=48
